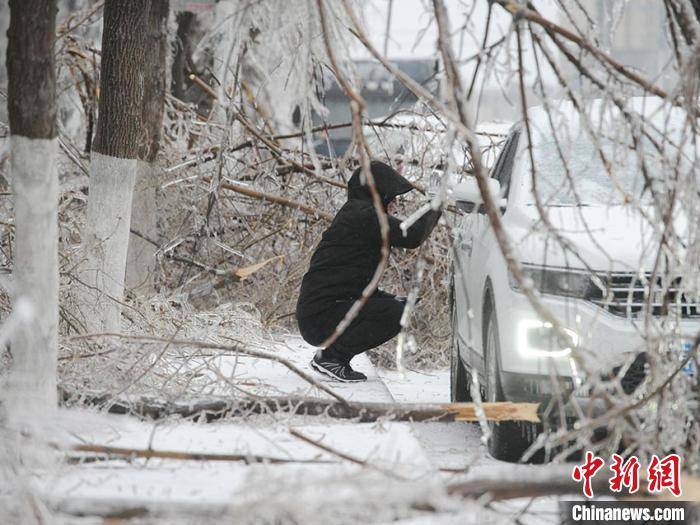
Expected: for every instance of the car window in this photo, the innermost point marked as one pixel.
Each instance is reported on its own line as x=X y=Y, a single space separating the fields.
x=504 y=165
x=499 y=160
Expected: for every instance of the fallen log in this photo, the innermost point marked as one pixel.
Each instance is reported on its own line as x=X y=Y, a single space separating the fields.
x=212 y=409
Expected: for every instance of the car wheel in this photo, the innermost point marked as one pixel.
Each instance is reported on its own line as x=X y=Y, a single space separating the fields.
x=509 y=439
x=459 y=381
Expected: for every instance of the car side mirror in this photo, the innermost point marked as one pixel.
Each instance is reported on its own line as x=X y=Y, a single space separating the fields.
x=467 y=194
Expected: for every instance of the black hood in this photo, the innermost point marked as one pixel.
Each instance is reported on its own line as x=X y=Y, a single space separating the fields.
x=387 y=180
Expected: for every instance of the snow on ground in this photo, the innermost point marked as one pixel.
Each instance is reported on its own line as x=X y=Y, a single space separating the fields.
x=432 y=386
x=163 y=484
x=450 y=446
x=269 y=378
x=385 y=445
x=383 y=466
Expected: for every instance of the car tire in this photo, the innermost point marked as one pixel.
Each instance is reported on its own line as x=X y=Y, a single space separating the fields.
x=459 y=381
x=509 y=439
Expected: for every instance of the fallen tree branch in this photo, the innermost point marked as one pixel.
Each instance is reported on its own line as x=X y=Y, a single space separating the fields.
x=502 y=489
x=233 y=276
x=216 y=346
x=178 y=455
x=558 y=481
x=277 y=152
x=212 y=409
x=214 y=151
x=206 y=88
x=277 y=199
x=383 y=123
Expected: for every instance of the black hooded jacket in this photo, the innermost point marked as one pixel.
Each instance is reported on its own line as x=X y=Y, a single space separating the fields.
x=350 y=249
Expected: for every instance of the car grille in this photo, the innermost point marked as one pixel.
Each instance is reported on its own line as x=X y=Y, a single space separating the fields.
x=625 y=294
x=634 y=375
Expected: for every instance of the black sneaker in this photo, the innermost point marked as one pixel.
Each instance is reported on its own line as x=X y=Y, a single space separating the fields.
x=338 y=370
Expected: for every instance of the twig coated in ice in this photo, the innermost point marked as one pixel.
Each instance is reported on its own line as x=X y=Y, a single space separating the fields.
x=405 y=316
x=411 y=220
x=479 y=407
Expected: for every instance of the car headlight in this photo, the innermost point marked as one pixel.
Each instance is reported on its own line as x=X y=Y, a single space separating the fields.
x=567 y=283
x=539 y=339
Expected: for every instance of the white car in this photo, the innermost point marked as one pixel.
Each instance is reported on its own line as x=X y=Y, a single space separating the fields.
x=597 y=289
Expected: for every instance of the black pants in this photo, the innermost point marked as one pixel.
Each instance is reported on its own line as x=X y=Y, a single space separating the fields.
x=376 y=323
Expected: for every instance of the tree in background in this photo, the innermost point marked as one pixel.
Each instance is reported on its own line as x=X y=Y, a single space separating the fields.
x=31 y=72
x=140 y=264
x=124 y=135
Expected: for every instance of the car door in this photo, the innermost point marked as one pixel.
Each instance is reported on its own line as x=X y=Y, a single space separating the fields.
x=462 y=267
x=478 y=249
x=462 y=254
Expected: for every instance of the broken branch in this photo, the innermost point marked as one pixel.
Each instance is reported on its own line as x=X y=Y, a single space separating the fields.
x=197 y=456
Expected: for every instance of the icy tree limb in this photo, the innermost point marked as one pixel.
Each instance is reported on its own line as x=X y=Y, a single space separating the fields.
x=231 y=348
x=277 y=199
x=520 y=11
x=503 y=489
x=212 y=409
x=179 y=455
x=554 y=480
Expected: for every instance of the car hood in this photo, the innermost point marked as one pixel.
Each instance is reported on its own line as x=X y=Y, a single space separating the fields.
x=606 y=238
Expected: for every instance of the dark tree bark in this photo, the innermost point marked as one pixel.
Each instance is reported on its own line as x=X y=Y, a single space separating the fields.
x=154 y=81
x=120 y=127
x=182 y=59
x=31 y=68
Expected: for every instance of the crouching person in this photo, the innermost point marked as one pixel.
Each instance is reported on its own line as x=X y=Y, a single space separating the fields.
x=343 y=264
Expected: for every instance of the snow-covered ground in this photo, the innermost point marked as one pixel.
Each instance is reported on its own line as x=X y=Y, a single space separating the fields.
x=317 y=469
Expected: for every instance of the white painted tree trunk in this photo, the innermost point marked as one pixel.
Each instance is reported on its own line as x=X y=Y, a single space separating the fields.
x=141 y=259
x=106 y=240
x=32 y=382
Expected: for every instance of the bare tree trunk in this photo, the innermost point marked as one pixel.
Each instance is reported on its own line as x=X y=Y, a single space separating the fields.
x=32 y=113
x=121 y=138
x=140 y=266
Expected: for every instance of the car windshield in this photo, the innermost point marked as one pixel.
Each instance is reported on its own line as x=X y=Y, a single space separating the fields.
x=572 y=172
